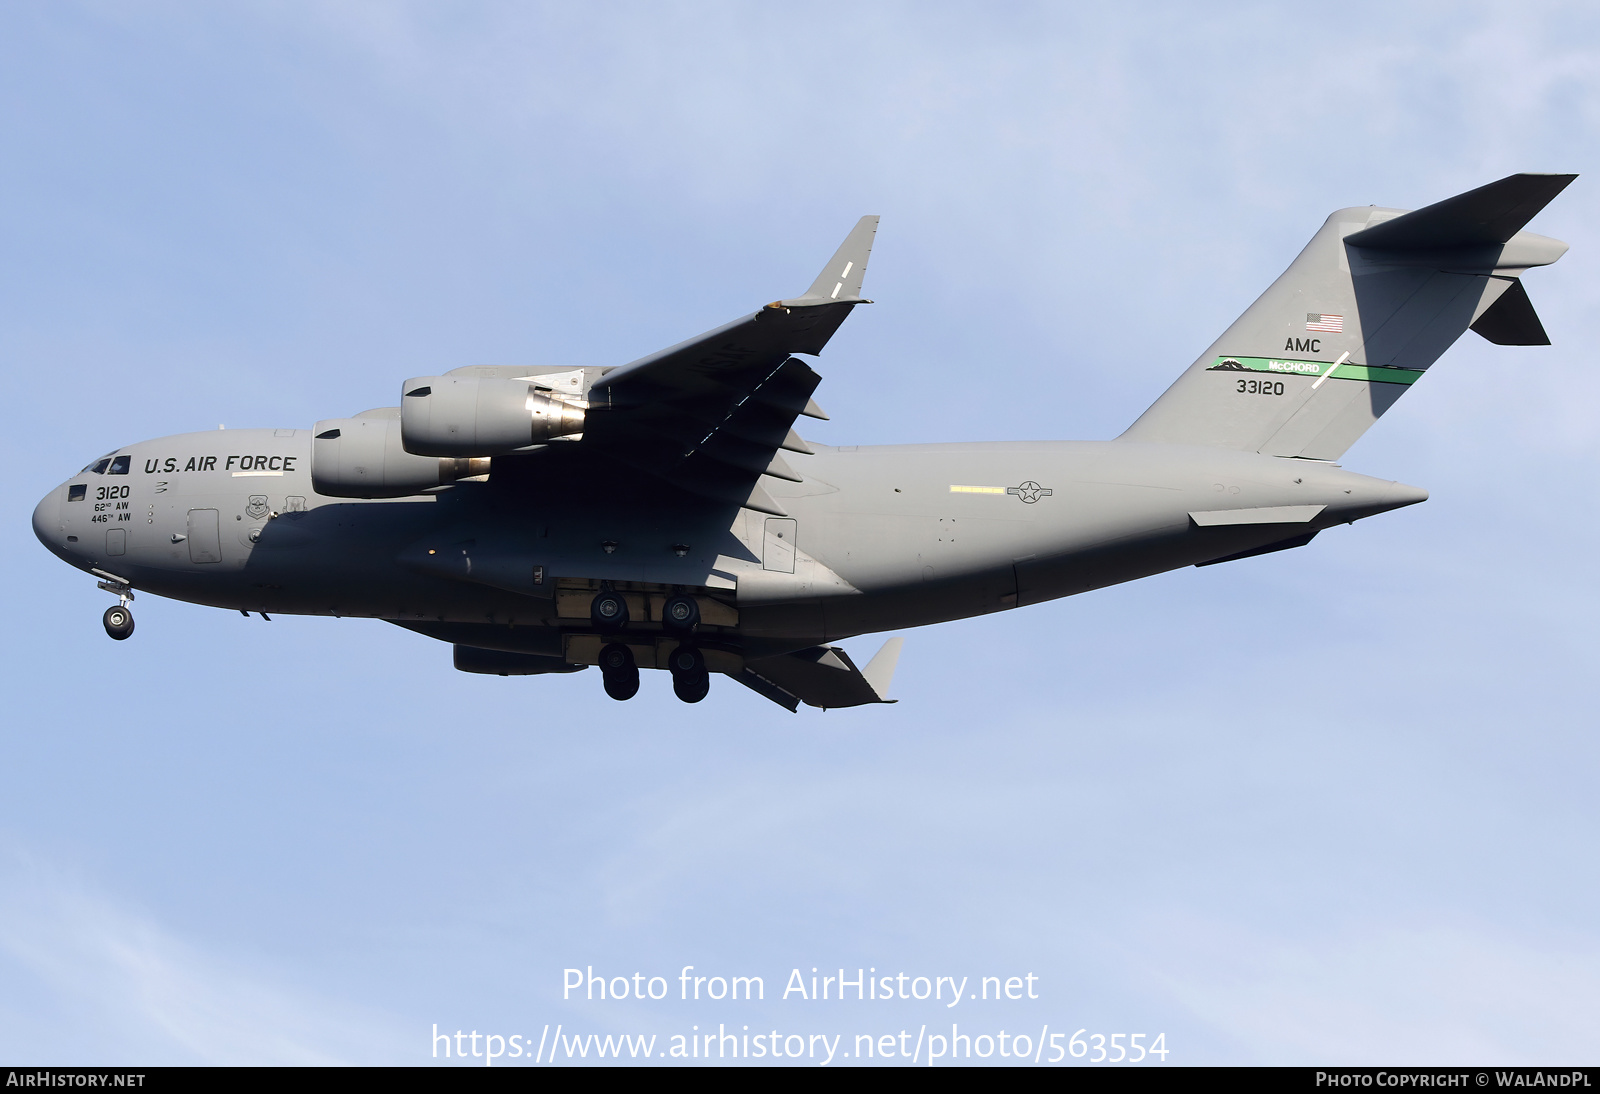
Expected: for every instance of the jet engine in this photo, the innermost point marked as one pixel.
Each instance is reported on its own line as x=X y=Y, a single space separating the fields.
x=362 y=457
x=466 y=416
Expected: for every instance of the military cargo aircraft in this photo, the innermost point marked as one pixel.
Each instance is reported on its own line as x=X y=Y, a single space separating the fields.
x=666 y=513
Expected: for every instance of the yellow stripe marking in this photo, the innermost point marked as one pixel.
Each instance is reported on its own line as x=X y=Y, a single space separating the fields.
x=977 y=490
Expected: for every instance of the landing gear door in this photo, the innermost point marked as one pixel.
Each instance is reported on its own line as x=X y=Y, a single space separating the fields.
x=205 y=539
x=778 y=551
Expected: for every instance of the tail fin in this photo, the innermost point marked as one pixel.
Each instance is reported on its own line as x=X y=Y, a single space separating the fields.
x=1372 y=301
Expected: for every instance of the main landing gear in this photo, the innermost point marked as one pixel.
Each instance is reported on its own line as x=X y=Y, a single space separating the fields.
x=619 y=672
x=690 y=680
x=681 y=614
x=608 y=611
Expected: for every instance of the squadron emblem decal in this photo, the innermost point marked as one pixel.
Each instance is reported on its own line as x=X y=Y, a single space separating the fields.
x=1030 y=492
x=257 y=507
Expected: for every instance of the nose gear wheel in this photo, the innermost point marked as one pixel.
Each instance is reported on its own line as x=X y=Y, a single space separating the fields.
x=119 y=621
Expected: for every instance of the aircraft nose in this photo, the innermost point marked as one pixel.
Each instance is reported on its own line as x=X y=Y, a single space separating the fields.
x=47 y=520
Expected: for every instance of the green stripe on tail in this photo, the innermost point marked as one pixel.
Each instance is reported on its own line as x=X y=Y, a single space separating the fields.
x=1314 y=369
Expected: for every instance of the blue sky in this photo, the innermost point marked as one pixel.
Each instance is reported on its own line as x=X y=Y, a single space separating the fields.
x=1329 y=806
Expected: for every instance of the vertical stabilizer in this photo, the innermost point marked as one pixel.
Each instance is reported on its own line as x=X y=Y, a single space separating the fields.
x=1360 y=316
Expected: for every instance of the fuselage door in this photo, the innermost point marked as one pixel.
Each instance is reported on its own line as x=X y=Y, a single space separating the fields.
x=778 y=552
x=205 y=538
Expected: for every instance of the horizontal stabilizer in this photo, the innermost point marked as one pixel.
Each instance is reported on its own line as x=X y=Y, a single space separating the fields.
x=1511 y=320
x=1489 y=214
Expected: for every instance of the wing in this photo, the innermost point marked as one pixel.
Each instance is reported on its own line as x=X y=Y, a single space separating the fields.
x=711 y=415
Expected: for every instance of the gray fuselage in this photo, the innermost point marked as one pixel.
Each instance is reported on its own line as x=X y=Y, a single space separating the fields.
x=876 y=537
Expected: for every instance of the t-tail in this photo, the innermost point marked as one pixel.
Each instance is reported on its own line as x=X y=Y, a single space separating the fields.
x=1360 y=315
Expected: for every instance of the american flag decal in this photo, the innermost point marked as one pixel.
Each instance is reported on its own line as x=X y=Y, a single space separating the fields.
x=1328 y=324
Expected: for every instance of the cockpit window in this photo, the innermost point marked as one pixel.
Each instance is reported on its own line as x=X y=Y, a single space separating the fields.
x=119 y=466
x=77 y=490
x=98 y=467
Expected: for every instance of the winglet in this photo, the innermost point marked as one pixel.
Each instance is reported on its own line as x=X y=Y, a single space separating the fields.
x=880 y=670
x=840 y=279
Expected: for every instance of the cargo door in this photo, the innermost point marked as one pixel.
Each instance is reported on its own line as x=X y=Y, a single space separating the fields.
x=205 y=539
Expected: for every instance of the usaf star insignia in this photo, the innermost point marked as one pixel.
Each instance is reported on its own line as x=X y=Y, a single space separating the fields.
x=1030 y=492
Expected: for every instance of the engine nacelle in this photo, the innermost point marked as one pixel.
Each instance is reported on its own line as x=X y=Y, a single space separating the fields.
x=477 y=416
x=362 y=457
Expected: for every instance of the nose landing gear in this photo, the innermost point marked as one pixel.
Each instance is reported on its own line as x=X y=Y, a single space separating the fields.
x=119 y=621
x=619 y=672
x=690 y=680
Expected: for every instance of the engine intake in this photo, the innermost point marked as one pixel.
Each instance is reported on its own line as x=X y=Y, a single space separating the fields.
x=467 y=416
x=362 y=457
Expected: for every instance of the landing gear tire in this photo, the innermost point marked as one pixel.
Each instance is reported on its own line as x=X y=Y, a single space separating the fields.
x=690 y=680
x=681 y=614
x=691 y=689
x=119 y=622
x=619 y=672
x=608 y=611
x=686 y=660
